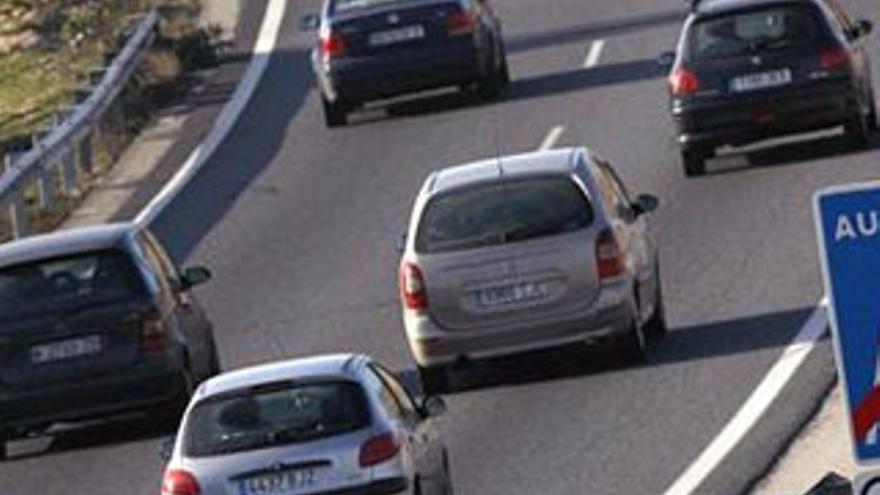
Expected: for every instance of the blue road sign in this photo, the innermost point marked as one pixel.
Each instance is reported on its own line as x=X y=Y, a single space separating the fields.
x=848 y=224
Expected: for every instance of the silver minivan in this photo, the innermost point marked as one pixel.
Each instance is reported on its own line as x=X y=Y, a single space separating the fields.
x=526 y=252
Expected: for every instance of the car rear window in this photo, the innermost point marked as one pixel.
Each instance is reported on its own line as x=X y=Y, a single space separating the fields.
x=69 y=283
x=352 y=5
x=277 y=414
x=743 y=33
x=502 y=213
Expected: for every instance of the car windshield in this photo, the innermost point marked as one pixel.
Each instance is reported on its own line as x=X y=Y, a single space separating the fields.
x=274 y=415
x=65 y=284
x=350 y=5
x=734 y=35
x=502 y=213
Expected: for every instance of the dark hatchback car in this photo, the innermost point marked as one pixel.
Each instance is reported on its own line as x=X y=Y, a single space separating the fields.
x=371 y=50
x=749 y=70
x=95 y=322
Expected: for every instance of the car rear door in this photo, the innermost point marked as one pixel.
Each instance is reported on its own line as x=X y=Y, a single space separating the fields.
x=515 y=279
x=50 y=339
x=388 y=27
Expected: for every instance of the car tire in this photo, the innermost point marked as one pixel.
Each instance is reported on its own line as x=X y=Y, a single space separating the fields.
x=633 y=344
x=435 y=379
x=448 y=488
x=873 y=122
x=169 y=414
x=857 y=131
x=335 y=112
x=655 y=327
x=5 y=437
x=489 y=87
x=504 y=70
x=694 y=162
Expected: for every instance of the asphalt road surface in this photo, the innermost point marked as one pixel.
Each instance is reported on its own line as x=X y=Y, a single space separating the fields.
x=299 y=225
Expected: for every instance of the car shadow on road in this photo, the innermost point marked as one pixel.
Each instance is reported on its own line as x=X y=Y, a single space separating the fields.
x=700 y=342
x=796 y=153
x=131 y=428
x=595 y=30
x=530 y=87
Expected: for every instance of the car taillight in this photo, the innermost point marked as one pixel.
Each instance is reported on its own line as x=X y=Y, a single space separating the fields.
x=683 y=82
x=836 y=57
x=154 y=334
x=412 y=288
x=332 y=45
x=379 y=449
x=461 y=22
x=179 y=482
x=609 y=257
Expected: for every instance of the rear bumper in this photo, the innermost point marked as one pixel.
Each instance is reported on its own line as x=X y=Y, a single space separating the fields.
x=725 y=121
x=368 y=78
x=390 y=486
x=609 y=316
x=150 y=383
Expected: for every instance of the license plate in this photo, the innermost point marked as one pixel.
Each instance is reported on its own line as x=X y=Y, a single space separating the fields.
x=761 y=80
x=383 y=38
x=512 y=294
x=290 y=482
x=65 y=349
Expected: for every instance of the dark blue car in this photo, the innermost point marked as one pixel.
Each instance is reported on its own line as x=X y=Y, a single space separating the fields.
x=370 y=50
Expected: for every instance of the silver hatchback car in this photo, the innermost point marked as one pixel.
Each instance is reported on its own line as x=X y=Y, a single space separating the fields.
x=526 y=252
x=339 y=424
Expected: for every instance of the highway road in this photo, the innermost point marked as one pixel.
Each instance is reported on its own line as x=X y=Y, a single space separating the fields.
x=299 y=225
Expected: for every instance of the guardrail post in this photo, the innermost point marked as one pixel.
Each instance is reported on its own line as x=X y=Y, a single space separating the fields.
x=68 y=174
x=17 y=210
x=46 y=188
x=86 y=156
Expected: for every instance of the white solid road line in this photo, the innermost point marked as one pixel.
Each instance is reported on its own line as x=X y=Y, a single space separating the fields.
x=552 y=137
x=263 y=48
x=757 y=404
x=594 y=54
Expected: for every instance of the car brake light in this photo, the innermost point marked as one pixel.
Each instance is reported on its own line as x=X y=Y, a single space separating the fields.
x=379 y=449
x=412 y=287
x=683 y=82
x=835 y=58
x=461 y=22
x=609 y=257
x=179 y=482
x=332 y=45
x=154 y=334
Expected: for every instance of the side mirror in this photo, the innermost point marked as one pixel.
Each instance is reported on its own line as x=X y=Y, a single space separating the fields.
x=194 y=276
x=646 y=203
x=309 y=22
x=166 y=449
x=433 y=406
x=666 y=59
x=400 y=245
x=863 y=27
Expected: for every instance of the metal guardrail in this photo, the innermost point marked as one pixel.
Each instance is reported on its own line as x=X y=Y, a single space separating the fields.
x=61 y=155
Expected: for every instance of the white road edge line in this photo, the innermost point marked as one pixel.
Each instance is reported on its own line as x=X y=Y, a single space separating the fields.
x=263 y=48
x=594 y=54
x=552 y=137
x=757 y=404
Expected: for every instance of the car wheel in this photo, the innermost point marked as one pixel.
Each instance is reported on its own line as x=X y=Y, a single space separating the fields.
x=873 y=122
x=656 y=326
x=448 y=489
x=489 y=87
x=335 y=112
x=435 y=379
x=857 y=132
x=634 y=345
x=504 y=70
x=169 y=414
x=694 y=162
x=5 y=437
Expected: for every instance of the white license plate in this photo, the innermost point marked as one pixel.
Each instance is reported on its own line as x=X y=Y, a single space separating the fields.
x=761 y=80
x=65 y=349
x=383 y=38
x=512 y=294
x=290 y=482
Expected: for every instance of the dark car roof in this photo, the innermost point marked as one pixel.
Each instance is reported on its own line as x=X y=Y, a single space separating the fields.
x=64 y=242
x=713 y=7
